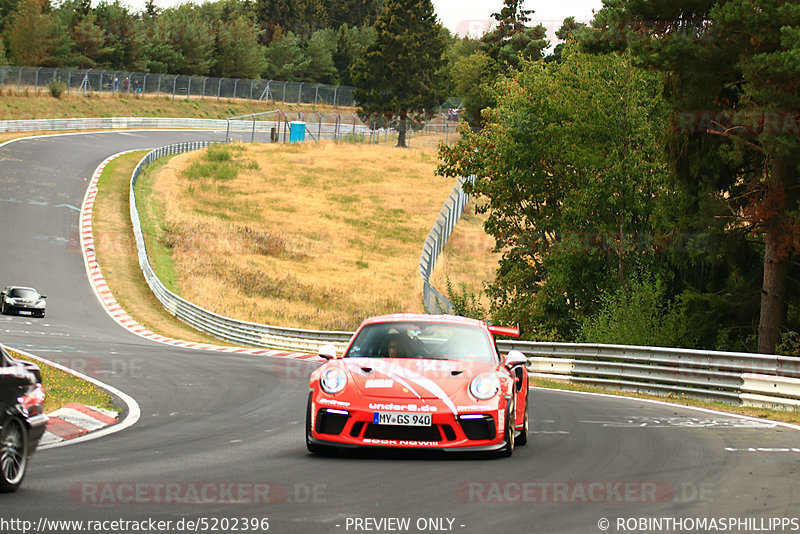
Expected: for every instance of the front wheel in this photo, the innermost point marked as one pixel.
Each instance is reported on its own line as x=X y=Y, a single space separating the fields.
x=522 y=439
x=508 y=449
x=13 y=455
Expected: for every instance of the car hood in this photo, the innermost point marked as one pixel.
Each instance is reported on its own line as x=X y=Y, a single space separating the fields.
x=410 y=379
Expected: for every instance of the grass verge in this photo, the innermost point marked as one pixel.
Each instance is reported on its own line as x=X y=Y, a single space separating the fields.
x=116 y=253
x=62 y=388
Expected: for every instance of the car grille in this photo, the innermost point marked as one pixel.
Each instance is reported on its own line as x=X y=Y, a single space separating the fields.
x=406 y=433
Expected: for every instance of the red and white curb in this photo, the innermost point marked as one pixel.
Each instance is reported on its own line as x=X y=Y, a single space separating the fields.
x=74 y=420
x=116 y=311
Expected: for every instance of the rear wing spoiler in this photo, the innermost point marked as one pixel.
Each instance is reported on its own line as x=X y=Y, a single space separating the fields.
x=511 y=331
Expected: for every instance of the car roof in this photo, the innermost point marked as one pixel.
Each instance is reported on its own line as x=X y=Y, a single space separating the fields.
x=20 y=287
x=424 y=318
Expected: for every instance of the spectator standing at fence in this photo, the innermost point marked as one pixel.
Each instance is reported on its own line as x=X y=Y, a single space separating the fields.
x=116 y=84
x=125 y=85
x=135 y=86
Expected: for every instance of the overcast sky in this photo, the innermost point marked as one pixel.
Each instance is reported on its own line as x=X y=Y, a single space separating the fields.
x=473 y=16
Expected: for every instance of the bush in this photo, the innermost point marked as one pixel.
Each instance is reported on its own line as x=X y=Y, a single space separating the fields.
x=465 y=302
x=642 y=315
x=57 y=88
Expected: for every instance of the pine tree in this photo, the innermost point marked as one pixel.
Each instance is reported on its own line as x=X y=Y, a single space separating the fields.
x=398 y=78
x=35 y=38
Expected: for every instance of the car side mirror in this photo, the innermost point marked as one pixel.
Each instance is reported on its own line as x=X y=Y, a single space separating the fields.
x=515 y=358
x=328 y=351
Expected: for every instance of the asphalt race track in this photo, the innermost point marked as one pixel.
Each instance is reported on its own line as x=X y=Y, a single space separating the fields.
x=220 y=439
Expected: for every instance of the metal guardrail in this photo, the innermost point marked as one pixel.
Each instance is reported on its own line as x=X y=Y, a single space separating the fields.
x=449 y=215
x=248 y=127
x=735 y=378
x=85 y=81
x=731 y=377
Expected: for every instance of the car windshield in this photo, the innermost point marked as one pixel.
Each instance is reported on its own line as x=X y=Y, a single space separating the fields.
x=439 y=341
x=26 y=294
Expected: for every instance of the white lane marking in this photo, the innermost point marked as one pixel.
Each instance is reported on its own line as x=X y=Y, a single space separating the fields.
x=673 y=405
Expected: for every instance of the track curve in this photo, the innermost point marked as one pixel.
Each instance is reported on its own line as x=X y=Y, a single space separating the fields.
x=232 y=425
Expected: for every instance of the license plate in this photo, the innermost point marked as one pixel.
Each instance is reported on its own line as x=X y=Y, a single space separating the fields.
x=25 y=312
x=401 y=419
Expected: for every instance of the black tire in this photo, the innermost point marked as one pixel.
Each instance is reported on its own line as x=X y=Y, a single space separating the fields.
x=13 y=455
x=508 y=448
x=522 y=439
x=313 y=447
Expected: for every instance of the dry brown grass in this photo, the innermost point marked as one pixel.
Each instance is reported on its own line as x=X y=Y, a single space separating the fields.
x=309 y=236
x=116 y=253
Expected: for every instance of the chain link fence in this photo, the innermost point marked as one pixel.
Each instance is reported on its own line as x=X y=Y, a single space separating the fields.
x=84 y=81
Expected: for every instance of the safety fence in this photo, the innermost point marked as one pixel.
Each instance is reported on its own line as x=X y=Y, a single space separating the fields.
x=84 y=81
x=451 y=212
x=733 y=378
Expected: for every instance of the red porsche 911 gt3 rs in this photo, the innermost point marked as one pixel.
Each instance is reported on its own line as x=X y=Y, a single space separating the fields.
x=420 y=382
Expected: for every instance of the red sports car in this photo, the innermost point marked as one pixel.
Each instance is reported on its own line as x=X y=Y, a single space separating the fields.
x=420 y=381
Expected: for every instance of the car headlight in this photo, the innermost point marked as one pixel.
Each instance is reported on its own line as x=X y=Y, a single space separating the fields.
x=333 y=380
x=484 y=386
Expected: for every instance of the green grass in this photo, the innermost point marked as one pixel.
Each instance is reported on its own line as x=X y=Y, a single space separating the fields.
x=157 y=238
x=63 y=388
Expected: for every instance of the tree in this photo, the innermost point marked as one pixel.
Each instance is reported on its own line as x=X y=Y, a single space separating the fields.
x=123 y=42
x=319 y=51
x=573 y=183
x=89 y=42
x=469 y=75
x=569 y=31
x=350 y=44
x=237 y=53
x=35 y=38
x=504 y=47
x=512 y=40
x=398 y=78
x=285 y=58
x=733 y=136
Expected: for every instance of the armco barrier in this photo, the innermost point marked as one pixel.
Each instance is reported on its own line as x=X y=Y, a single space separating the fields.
x=735 y=378
x=449 y=215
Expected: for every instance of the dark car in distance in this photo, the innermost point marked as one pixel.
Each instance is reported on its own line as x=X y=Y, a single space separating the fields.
x=22 y=301
x=22 y=418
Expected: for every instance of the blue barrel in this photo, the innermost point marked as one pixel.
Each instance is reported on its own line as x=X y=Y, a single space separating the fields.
x=297 y=132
